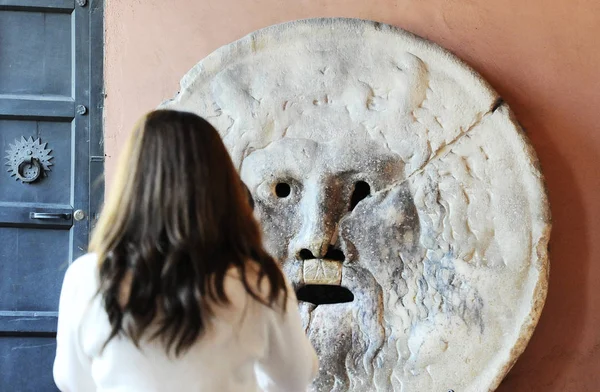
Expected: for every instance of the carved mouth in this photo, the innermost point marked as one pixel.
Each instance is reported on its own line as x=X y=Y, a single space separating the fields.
x=324 y=294
x=322 y=283
x=322 y=279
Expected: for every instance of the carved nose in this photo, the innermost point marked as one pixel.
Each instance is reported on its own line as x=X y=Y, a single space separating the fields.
x=331 y=254
x=306 y=254
x=321 y=210
x=315 y=237
x=316 y=251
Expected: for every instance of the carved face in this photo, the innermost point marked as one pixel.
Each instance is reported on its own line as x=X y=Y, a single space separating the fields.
x=305 y=192
x=380 y=163
x=336 y=212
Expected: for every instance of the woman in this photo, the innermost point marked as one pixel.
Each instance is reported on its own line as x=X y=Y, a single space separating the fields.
x=178 y=293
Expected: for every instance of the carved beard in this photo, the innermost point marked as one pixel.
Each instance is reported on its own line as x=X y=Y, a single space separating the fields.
x=349 y=338
x=367 y=345
x=363 y=344
x=381 y=339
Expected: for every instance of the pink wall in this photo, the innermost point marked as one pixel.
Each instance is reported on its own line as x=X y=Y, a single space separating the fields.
x=543 y=56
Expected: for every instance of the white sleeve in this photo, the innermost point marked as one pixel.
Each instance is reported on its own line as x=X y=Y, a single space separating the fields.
x=72 y=369
x=290 y=363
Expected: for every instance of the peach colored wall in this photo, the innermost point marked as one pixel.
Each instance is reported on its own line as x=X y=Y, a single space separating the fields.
x=543 y=56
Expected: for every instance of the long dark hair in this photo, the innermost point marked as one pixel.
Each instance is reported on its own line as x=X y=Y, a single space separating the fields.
x=177 y=219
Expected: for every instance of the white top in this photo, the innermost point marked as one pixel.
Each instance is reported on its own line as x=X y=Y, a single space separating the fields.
x=248 y=347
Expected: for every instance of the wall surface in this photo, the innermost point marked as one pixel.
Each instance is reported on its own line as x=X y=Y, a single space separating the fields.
x=542 y=56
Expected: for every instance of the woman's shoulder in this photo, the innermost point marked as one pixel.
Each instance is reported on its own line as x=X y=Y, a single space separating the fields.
x=83 y=265
x=82 y=274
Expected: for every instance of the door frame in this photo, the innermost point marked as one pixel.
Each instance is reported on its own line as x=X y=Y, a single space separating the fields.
x=96 y=155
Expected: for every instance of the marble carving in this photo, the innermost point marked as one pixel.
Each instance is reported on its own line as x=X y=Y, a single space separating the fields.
x=380 y=162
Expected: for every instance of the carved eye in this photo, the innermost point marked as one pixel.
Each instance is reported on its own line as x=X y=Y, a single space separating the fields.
x=361 y=191
x=282 y=190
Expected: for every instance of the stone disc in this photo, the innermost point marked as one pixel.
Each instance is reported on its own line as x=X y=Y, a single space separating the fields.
x=380 y=162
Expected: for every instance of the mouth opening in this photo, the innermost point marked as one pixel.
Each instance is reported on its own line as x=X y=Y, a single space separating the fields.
x=324 y=294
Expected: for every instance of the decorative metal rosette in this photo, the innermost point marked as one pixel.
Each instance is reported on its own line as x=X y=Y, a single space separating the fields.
x=28 y=159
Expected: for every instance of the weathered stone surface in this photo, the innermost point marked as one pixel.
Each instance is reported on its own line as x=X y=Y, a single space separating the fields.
x=378 y=159
x=322 y=271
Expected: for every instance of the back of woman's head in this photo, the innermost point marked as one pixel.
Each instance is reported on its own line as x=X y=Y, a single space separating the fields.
x=177 y=219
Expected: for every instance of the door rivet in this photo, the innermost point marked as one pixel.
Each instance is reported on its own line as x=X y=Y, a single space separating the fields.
x=79 y=215
x=81 y=3
x=81 y=110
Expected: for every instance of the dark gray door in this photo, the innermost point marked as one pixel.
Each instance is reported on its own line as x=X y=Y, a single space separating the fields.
x=50 y=139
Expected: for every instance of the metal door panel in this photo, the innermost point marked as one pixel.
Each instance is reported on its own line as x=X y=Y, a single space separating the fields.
x=36 y=106
x=50 y=88
x=27 y=371
x=56 y=187
x=32 y=268
x=48 y=216
x=35 y=48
